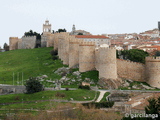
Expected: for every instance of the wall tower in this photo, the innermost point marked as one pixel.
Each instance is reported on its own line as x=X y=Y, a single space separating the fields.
x=86 y=56
x=107 y=63
x=46 y=28
x=153 y=71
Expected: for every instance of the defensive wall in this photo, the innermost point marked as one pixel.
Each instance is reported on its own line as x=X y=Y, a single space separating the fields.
x=87 y=56
x=13 y=43
x=131 y=70
x=153 y=71
x=28 y=42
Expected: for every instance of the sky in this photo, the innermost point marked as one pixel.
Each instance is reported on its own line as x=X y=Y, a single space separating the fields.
x=94 y=16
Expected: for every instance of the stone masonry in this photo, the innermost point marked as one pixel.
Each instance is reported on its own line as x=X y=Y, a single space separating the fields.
x=85 y=55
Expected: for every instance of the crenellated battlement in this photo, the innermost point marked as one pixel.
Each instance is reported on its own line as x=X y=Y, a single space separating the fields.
x=29 y=37
x=152 y=59
x=88 y=55
x=73 y=41
x=87 y=43
x=107 y=48
x=128 y=61
x=13 y=37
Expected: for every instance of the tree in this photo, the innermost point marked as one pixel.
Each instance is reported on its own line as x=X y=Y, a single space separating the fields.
x=134 y=55
x=153 y=107
x=62 y=30
x=6 y=47
x=157 y=53
x=31 y=33
x=33 y=86
x=80 y=34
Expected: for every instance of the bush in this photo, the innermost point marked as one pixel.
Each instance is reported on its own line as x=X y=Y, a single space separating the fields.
x=107 y=104
x=67 y=88
x=54 y=52
x=84 y=87
x=62 y=95
x=54 y=57
x=17 y=98
x=33 y=86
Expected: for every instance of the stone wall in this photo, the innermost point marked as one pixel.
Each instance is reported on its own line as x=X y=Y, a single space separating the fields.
x=12 y=89
x=131 y=70
x=28 y=42
x=86 y=56
x=63 y=47
x=20 y=44
x=97 y=59
x=13 y=43
x=107 y=63
x=50 y=41
x=73 y=52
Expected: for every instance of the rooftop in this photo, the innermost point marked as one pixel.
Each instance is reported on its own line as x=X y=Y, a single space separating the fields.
x=91 y=36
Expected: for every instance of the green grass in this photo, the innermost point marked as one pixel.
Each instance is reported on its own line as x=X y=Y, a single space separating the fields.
x=29 y=62
x=32 y=63
x=104 y=97
x=48 y=95
x=91 y=74
x=32 y=105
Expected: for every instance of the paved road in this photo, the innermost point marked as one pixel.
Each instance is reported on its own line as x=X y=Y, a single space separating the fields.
x=148 y=91
x=102 y=92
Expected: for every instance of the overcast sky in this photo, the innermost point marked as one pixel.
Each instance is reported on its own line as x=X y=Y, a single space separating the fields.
x=94 y=16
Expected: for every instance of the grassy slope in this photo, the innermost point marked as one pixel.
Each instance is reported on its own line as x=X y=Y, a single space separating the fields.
x=47 y=95
x=32 y=62
x=35 y=98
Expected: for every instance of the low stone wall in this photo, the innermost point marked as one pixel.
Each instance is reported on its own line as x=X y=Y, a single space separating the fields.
x=11 y=89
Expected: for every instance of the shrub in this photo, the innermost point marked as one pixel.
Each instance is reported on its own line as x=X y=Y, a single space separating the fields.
x=54 y=52
x=17 y=98
x=67 y=88
x=33 y=86
x=54 y=57
x=84 y=87
x=106 y=104
x=58 y=94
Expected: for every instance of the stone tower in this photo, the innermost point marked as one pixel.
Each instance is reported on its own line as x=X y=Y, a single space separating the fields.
x=46 y=28
x=73 y=52
x=46 y=33
x=73 y=28
x=153 y=71
x=13 y=43
x=159 y=25
x=107 y=63
x=86 y=56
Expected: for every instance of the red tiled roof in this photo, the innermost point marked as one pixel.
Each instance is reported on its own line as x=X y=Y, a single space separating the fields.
x=156 y=46
x=91 y=36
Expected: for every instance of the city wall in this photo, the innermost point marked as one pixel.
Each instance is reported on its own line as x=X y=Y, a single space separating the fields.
x=28 y=42
x=85 y=55
x=13 y=43
x=131 y=70
x=153 y=71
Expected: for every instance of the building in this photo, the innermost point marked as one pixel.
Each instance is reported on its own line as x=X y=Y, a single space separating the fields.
x=78 y=32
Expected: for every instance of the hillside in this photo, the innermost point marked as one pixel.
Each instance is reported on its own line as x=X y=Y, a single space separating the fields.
x=18 y=65
x=21 y=64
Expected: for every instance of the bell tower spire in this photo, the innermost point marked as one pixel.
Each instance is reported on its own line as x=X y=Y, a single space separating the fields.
x=46 y=27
